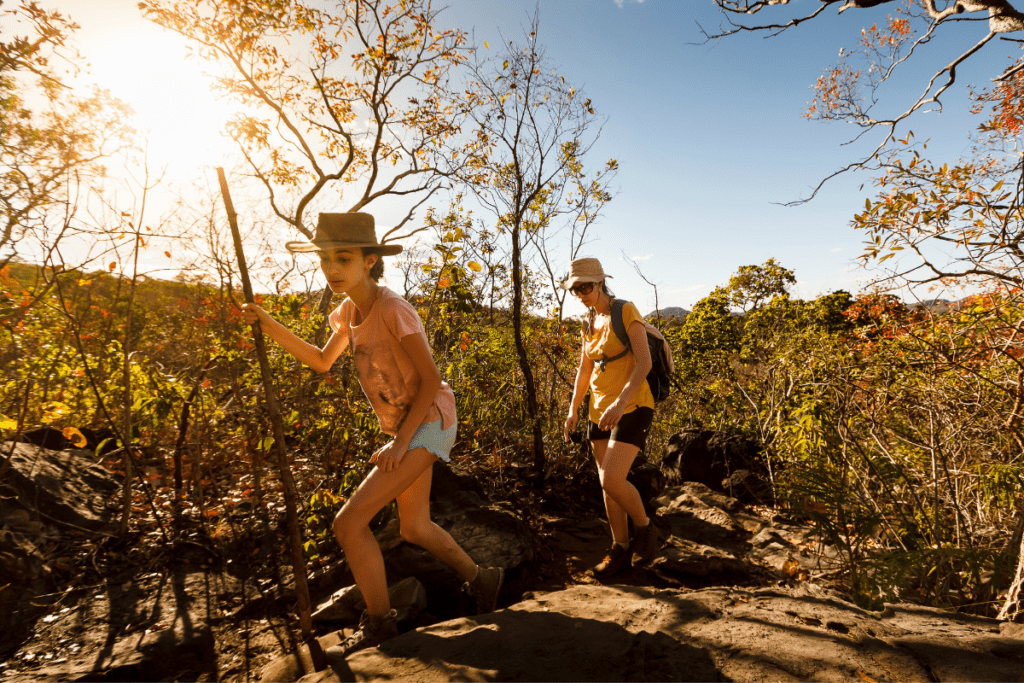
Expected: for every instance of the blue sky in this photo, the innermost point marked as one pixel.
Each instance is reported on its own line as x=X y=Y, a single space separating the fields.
x=709 y=137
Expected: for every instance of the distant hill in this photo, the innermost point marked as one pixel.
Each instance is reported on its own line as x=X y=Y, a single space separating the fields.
x=934 y=306
x=672 y=311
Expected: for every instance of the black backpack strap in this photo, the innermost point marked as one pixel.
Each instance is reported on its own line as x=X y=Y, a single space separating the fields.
x=617 y=325
x=618 y=328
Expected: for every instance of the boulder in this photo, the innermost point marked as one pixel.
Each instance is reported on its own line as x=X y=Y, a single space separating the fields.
x=680 y=556
x=748 y=486
x=490 y=534
x=692 y=512
x=54 y=439
x=694 y=493
x=62 y=486
x=713 y=537
x=43 y=492
x=712 y=458
x=408 y=597
x=647 y=478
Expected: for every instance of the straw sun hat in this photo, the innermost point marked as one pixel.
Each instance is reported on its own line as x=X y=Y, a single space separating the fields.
x=584 y=270
x=343 y=231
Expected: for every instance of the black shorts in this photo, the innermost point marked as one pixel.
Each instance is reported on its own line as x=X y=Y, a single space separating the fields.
x=632 y=428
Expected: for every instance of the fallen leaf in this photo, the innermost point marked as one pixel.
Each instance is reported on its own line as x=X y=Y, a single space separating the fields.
x=76 y=437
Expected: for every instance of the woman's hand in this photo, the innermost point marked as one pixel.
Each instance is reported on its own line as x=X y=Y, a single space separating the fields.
x=611 y=416
x=570 y=425
x=252 y=313
x=389 y=456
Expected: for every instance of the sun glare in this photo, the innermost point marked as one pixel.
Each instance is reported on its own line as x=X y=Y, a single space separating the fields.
x=172 y=99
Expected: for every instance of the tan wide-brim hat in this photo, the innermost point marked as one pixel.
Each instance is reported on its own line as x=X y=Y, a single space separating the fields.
x=343 y=231
x=584 y=270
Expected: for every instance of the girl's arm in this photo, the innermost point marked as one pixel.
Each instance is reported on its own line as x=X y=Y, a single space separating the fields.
x=642 y=354
x=583 y=374
x=415 y=345
x=320 y=360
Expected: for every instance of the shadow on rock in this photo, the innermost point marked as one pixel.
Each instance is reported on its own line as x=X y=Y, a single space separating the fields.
x=521 y=645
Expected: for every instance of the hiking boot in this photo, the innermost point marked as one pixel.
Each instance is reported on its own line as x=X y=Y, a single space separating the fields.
x=614 y=562
x=645 y=543
x=484 y=588
x=372 y=632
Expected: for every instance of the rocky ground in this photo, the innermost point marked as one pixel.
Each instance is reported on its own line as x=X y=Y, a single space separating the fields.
x=631 y=633
x=738 y=593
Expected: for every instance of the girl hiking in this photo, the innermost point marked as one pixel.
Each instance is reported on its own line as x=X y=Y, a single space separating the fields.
x=621 y=411
x=413 y=405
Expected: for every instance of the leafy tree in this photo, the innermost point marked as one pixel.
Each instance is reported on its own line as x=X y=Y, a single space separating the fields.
x=55 y=140
x=359 y=102
x=532 y=131
x=753 y=286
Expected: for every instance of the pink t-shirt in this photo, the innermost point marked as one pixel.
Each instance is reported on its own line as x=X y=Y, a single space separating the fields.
x=386 y=373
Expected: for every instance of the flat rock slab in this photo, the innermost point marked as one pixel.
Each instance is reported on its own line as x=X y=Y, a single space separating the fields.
x=605 y=633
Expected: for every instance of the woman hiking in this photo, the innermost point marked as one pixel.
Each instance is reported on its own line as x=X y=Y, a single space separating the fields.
x=621 y=411
x=401 y=382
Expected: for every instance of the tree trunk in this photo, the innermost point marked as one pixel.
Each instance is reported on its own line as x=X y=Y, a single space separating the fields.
x=126 y=496
x=532 y=406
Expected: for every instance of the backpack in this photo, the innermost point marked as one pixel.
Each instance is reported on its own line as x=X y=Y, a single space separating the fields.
x=659 y=378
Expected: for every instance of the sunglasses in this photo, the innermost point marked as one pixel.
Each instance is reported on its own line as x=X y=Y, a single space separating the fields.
x=582 y=289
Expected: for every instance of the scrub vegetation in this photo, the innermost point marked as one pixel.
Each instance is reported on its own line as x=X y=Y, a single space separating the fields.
x=895 y=429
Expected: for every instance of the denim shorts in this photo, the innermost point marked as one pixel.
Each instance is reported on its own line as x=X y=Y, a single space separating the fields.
x=436 y=440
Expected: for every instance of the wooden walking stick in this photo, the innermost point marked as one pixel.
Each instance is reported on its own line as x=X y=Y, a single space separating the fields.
x=294 y=535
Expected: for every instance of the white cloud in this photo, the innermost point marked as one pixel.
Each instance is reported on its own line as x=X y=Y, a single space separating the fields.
x=836 y=249
x=620 y=3
x=642 y=258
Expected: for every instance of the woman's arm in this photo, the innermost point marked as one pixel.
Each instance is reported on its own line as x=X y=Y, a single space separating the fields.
x=415 y=345
x=642 y=355
x=583 y=374
x=320 y=360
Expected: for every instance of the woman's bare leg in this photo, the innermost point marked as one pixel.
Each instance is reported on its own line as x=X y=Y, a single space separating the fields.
x=352 y=525
x=621 y=499
x=618 y=520
x=417 y=527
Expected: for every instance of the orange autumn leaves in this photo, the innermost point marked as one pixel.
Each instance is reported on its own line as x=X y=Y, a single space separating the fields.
x=838 y=93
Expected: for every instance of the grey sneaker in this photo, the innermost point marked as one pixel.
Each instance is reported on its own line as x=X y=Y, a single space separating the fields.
x=645 y=543
x=372 y=632
x=614 y=562
x=484 y=588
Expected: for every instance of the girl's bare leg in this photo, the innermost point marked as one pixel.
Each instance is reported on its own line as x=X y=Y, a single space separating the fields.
x=352 y=525
x=621 y=499
x=417 y=527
